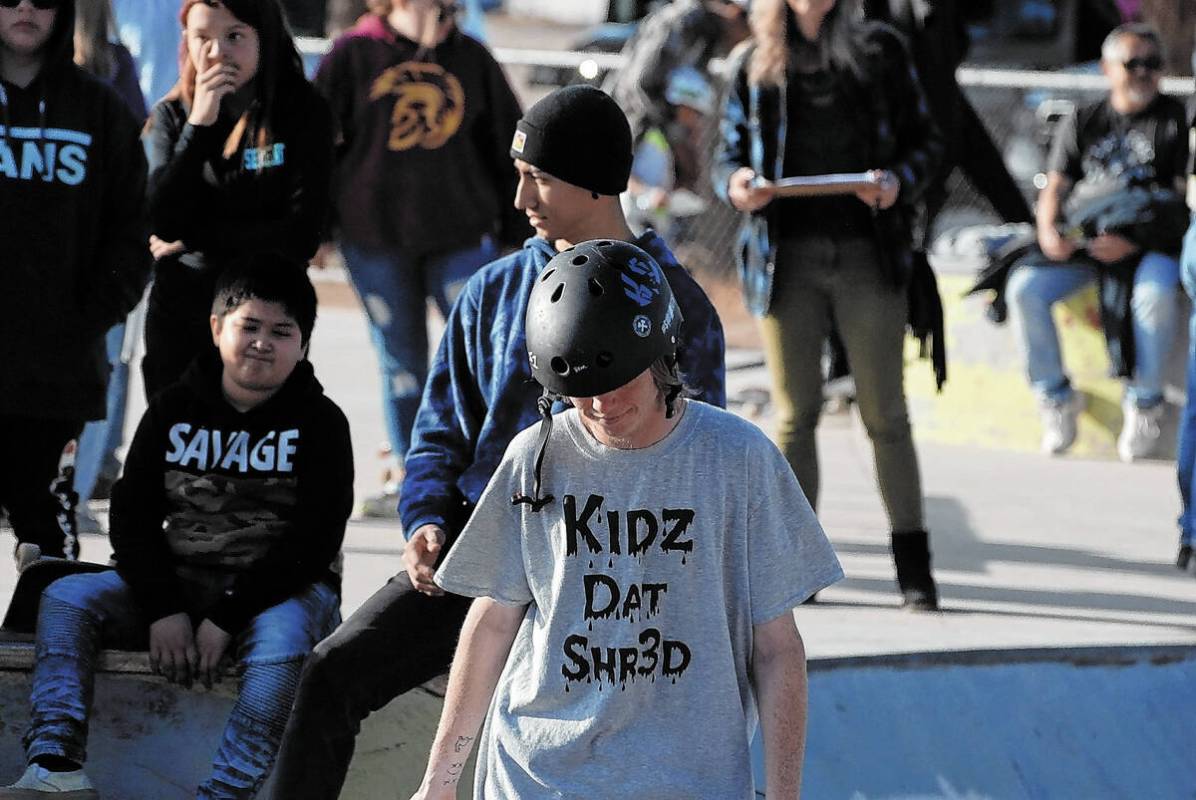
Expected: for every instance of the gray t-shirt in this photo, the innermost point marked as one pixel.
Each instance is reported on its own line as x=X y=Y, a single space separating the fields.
x=643 y=579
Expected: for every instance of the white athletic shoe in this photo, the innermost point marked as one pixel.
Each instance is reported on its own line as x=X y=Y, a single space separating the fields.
x=1059 y=423
x=38 y=782
x=1140 y=431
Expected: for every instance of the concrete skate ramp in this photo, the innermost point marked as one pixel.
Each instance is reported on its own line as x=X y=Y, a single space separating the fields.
x=1095 y=723
x=1115 y=722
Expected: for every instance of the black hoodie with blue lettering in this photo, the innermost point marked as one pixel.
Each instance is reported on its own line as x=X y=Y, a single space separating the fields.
x=222 y=514
x=73 y=236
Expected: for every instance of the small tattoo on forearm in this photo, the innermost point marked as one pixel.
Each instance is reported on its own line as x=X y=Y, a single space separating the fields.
x=454 y=773
x=462 y=743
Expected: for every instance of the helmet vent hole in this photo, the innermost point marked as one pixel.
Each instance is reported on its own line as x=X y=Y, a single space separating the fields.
x=548 y=273
x=605 y=359
x=559 y=365
x=556 y=294
x=605 y=244
x=579 y=260
x=596 y=288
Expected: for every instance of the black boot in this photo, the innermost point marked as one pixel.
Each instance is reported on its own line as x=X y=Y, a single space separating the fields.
x=1185 y=555
x=911 y=554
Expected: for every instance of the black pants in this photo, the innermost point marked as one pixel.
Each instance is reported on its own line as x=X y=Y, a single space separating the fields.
x=396 y=641
x=176 y=322
x=29 y=453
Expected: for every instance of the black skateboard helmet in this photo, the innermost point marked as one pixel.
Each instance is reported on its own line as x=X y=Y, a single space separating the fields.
x=599 y=314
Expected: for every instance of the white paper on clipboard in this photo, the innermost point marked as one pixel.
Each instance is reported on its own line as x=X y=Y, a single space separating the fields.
x=832 y=183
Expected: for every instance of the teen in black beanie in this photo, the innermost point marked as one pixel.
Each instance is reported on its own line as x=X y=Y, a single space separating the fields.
x=580 y=135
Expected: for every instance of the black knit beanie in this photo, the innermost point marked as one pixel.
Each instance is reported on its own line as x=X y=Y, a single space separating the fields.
x=580 y=135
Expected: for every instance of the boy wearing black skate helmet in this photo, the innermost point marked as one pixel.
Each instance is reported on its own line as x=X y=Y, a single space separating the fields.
x=635 y=564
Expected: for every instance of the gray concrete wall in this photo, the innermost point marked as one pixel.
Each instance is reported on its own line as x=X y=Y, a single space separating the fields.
x=150 y=740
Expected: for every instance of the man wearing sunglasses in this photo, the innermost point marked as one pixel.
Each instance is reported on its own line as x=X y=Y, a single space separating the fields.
x=1133 y=138
x=72 y=181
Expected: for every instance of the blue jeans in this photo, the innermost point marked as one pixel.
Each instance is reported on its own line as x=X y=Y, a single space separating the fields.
x=100 y=438
x=394 y=287
x=1033 y=289
x=1185 y=458
x=80 y=612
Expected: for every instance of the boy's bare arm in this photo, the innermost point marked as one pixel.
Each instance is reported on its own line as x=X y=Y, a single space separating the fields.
x=486 y=639
x=779 y=677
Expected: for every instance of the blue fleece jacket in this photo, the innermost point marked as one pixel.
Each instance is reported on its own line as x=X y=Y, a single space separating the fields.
x=480 y=391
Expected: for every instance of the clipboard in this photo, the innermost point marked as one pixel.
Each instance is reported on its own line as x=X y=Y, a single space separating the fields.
x=829 y=184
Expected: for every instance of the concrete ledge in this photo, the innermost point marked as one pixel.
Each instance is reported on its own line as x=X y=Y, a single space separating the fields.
x=17 y=655
x=153 y=739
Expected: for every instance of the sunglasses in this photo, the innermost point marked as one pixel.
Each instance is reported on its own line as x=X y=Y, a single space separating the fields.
x=1151 y=63
x=41 y=5
x=444 y=11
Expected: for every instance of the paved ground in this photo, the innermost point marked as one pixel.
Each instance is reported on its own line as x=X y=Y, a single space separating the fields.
x=1030 y=551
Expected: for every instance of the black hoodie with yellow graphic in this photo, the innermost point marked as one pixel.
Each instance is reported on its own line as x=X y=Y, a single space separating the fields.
x=74 y=256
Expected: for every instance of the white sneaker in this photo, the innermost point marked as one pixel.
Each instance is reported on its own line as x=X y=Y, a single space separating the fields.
x=1059 y=423
x=37 y=782
x=1140 y=431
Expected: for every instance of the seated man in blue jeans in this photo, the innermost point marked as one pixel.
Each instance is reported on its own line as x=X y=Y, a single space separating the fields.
x=1133 y=137
x=225 y=525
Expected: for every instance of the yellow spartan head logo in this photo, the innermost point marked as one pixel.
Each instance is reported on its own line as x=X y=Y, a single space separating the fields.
x=429 y=104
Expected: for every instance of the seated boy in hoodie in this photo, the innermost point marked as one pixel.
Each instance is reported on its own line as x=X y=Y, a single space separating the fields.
x=226 y=528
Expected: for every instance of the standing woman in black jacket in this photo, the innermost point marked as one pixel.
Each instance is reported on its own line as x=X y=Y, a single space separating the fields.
x=240 y=163
x=819 y=90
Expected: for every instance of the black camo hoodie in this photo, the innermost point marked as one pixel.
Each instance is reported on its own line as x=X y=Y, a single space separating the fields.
x=73 y=241
x=223 y=514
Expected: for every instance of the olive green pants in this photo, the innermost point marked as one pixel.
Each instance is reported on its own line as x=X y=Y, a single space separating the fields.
x=819 y=279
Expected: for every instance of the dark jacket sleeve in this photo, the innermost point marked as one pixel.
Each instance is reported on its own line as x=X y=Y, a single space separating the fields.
x=732 y=150
x=492 y=138
x=303 y=555
x=177 y=191
x=143 y=559
x=445 y=430
x=920 y=148
x=122 y=260
x=1182 y=156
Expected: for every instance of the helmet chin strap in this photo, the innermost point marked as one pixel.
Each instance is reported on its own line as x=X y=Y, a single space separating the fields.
x=544 y=406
